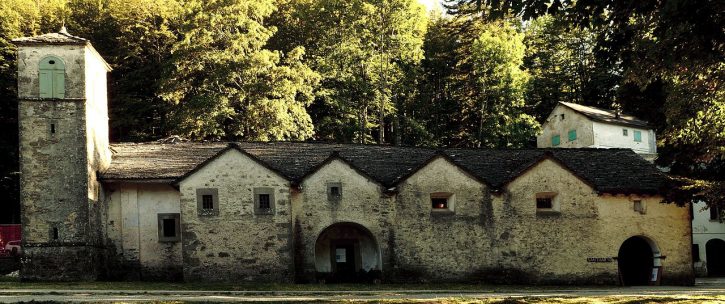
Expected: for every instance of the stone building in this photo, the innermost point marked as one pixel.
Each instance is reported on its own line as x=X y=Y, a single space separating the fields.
x=290 y=211
x=572 y=125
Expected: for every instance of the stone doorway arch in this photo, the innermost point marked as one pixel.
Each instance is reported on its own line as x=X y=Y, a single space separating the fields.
x=715 y=255
x=639 y=262
x=347 y=252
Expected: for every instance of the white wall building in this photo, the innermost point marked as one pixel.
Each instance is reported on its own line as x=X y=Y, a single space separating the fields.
x=572 y=125
x=708 y=240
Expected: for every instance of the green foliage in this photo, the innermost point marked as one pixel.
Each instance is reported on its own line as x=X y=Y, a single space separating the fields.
x=564 y=67
x=365 y=51
x=226 y=85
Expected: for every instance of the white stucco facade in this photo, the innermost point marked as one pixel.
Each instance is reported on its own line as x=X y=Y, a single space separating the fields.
x=704 y=230
x=594 y=134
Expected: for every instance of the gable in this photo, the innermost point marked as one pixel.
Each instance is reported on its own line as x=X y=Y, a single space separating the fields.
x=229 y=163
x=338 y=170
x=336 y=165
x=441 y=169
x=548 y=174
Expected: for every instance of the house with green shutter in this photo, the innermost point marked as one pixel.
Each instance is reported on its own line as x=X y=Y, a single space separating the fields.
x=573 y=125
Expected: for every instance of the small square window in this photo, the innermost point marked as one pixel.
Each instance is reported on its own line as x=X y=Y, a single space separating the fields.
x=555 y=140
x=169 y=227
x=264 y=201
x=624 y=132
x=638 y=136
x=439 y=203
x=207 y=201
x=572 y=135
x=638 y=206
x=334 y=191
x=544 y=203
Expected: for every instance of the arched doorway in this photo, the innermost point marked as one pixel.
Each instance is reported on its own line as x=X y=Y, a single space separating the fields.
x=347 y=252
x=715 y=254
x=638 y=257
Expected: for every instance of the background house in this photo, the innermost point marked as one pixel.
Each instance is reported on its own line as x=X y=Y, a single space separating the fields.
x=573 y=125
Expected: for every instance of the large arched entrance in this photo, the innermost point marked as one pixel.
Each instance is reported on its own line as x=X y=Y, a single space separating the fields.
x=638 y=261
x=347 y=252
x=715 y=254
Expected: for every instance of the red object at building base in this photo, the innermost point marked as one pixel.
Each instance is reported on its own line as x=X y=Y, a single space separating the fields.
x=9 y=233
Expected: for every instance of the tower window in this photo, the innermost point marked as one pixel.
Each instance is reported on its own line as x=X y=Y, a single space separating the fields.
x=624 y=132
x=55 y=233
x=52 y=128
x=572 y=135
x=51 y=77
x=638 y=136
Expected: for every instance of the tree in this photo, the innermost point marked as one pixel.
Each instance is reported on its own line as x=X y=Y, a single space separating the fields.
x=362 y=49
x=564 y=67
x=494 y=111
x=225 y=85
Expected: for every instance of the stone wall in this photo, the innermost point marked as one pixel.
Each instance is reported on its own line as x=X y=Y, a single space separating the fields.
x=236 y=244
x=441 y=245
x=555 y=125
x=362 y=204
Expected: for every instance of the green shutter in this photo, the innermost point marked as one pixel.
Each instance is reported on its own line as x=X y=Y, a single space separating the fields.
x=46 y=84
x=572 y=135
x=58 y=84
x=555 y=140
x=637 y=136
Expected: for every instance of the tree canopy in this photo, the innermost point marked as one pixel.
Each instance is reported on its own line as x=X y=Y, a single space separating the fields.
x=486 y=74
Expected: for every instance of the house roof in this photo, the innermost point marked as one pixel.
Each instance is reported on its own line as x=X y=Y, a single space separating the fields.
x=606 y=170
x=606 y=116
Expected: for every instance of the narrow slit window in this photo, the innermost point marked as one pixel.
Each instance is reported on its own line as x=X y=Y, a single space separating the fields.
x=52 y=128
x=55 y=233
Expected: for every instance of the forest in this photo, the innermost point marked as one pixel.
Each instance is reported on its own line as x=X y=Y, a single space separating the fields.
x=477 y=73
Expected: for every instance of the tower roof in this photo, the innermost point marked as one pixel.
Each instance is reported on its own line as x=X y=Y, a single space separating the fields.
x=61 y=37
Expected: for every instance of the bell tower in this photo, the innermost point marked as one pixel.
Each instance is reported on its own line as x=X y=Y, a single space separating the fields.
x=63 y=123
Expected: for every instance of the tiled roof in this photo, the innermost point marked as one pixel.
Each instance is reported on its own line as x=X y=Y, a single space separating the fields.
x=607 y=170
x=606 y=116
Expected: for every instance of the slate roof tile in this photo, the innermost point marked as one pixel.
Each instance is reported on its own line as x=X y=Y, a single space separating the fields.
x=608 y=170
x=607 y=116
